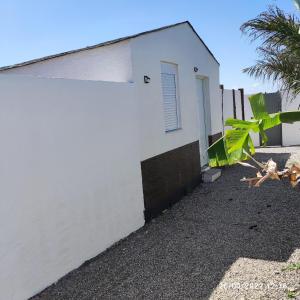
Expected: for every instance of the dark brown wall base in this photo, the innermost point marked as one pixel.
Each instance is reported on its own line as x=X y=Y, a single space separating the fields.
x=168 y=177
x=214 y=137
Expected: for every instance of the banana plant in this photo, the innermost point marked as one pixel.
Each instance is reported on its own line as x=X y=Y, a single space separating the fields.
x=237 y=145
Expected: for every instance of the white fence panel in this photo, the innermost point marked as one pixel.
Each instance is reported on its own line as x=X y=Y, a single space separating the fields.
x=227 y=105
x=290 y=132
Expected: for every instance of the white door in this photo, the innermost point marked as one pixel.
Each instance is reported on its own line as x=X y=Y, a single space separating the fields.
x=203 y=137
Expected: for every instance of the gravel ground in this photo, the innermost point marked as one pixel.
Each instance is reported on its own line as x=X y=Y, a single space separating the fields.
x=223 y=241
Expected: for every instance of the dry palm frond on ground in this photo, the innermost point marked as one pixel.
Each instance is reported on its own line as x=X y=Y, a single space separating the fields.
x=269 y=170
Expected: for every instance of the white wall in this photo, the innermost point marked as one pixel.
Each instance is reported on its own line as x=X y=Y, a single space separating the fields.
x=109 y=63
x=227 y=105
x=290 y=132
x=181 y=46
x=70 y=177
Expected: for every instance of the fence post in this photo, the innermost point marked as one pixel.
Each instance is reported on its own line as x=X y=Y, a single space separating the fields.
x=234 y=104
x=242 y=103
x=222 y=93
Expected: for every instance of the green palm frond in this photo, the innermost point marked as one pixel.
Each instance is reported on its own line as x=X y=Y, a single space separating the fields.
x=279 y=53
x=297 y=4
x=274 y=28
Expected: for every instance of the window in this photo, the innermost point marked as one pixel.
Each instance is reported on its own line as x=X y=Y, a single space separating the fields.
x=169 y=83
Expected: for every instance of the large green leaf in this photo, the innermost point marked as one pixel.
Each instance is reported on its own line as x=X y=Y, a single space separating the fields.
x=235 y=139
x=250 y=144
x=220 y=156
x=235 y=156
x=232 y=147
x=270 y=121
x=264 y=137
x=239 y=154
x=289 y=116
x=281 y=117
x=236 y=123
x=217 y=154
x=258 y=106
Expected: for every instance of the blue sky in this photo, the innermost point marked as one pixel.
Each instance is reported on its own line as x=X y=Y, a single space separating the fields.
x=35 y=28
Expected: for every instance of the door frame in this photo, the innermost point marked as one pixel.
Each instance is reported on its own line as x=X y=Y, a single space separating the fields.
x=206 y=108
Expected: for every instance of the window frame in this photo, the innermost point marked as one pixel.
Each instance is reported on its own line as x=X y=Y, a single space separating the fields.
x=173 y=66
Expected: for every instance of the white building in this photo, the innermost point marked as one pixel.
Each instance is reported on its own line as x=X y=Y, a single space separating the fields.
x=180 y=104
x=171 y=77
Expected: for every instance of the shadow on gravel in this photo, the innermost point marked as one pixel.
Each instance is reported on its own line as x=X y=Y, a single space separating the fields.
x=186 y=252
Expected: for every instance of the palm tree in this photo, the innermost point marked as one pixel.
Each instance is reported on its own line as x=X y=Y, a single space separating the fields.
x=279 y=53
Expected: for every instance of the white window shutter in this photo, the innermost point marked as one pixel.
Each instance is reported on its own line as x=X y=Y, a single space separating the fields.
x=170 y=96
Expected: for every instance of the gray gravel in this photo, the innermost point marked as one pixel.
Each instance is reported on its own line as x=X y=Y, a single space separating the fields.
x=217 y=238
